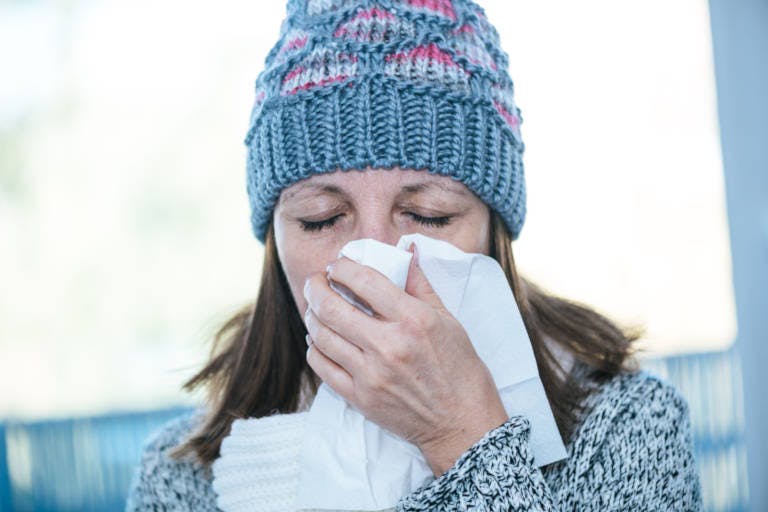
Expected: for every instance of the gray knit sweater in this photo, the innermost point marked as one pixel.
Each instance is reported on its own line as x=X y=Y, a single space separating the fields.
x=631 y=451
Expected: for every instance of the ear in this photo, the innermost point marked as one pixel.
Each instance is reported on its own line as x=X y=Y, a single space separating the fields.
x=417 y=283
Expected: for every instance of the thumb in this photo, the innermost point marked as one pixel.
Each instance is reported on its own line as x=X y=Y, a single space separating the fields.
x=417 y=283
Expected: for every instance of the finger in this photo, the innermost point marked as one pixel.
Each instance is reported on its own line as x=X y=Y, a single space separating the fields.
x=374 y=288
x=330 y=372
x=417 y=283
x=337 y=314
x=342 y=352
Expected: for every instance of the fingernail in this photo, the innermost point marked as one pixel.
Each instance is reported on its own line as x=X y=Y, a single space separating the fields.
x=308 y=340
x=328 y=268
x=412 y=248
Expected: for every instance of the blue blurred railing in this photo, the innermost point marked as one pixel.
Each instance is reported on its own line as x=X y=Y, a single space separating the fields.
x=82 y=464
x=86 y=464
x=711 y=382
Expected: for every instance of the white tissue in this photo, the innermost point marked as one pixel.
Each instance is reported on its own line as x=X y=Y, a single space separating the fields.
x=350 y=463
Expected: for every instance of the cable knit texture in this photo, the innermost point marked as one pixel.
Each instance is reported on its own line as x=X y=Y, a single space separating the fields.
x=259 y=464
x=631 y=451
x=415 y=84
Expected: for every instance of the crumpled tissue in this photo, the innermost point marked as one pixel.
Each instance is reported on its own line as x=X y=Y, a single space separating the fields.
x=350 y=463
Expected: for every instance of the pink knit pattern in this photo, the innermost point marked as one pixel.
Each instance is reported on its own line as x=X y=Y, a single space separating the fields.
x=504 y=104
x=468 y=45
x=441 y=7
x=320 y=68
x=427 y=63
x=375 y=25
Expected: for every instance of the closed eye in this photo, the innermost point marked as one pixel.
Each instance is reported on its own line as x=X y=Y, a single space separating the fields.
x=319 y=225
x=434 y=222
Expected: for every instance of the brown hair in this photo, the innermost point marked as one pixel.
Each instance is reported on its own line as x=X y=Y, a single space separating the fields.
x=258 y=364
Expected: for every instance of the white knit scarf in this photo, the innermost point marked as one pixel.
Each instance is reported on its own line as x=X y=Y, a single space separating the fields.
x=258 y=468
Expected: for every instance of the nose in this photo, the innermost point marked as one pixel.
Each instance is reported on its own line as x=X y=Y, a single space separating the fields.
x=378 y=226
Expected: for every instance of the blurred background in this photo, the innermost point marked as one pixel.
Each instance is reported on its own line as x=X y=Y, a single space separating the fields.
x=125 y=239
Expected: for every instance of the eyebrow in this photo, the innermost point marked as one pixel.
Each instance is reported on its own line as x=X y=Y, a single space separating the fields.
x=414 y=188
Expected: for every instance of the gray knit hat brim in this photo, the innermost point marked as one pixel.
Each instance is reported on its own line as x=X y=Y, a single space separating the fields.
x=379 y=122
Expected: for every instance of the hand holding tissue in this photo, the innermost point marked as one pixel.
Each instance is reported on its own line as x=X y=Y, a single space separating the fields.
x=348 y=462
x=397 y=360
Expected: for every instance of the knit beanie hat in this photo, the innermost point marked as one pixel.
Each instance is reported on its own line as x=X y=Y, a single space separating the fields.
x=415 y=84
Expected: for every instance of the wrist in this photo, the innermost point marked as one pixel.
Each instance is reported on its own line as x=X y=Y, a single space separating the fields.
x=443 y=452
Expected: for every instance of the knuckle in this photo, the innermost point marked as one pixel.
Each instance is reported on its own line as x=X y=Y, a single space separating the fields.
x=419 y=324
x=321 y=340
x=327 y=307
x=397 y=354
x=376 y=385
x=428 y=321
x=410 y=327
x=366 y=278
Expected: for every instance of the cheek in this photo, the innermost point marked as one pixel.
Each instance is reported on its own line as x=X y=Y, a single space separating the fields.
x=299 y=261
x=297 y=268
x=484 y=237
x=484 y=231
x=474 y=234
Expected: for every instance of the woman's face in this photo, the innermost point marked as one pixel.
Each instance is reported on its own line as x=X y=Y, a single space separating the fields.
x=316 y=217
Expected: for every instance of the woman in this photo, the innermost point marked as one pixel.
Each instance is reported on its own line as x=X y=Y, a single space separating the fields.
x=358 y=99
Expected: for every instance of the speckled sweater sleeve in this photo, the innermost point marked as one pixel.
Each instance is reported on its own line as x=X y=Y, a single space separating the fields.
x=633 y=452
x=161 y=483
x=496 y=473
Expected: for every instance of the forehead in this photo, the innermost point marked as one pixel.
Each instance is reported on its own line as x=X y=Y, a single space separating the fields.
x=361 y=182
